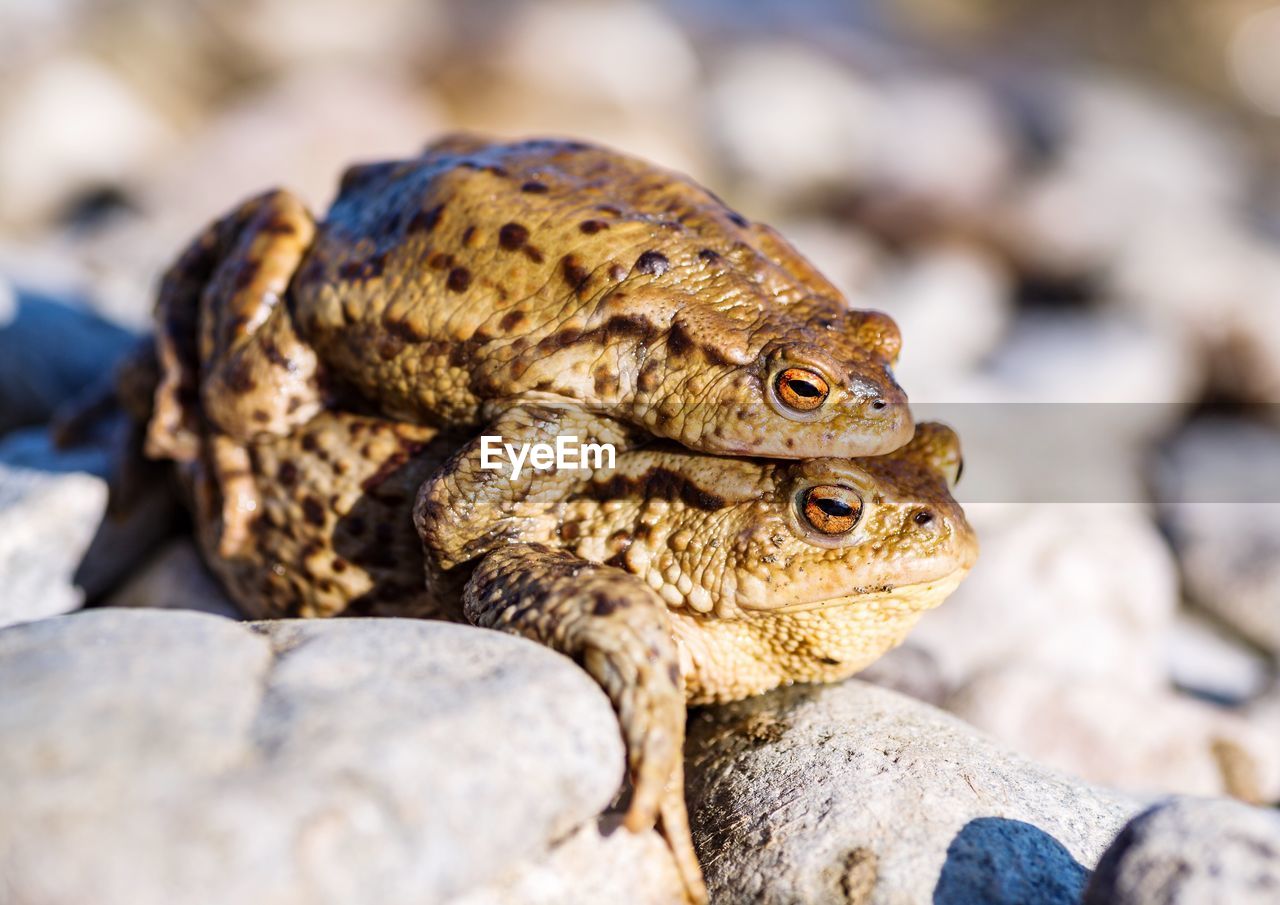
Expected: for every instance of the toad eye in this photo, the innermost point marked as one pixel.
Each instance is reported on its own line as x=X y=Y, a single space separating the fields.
x=831 y=509
x=801 y=389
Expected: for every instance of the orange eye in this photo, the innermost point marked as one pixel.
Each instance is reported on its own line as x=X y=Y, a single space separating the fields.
x=801 y=389
x=832 y=509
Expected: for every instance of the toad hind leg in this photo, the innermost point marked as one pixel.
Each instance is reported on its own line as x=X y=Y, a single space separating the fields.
x=232 y=366
x=228 y=351
x=618 y=629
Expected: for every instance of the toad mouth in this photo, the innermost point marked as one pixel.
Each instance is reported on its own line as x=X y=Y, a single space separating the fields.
x=919 y=595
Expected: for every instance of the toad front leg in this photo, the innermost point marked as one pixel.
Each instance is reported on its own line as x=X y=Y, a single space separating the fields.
x=618 y=629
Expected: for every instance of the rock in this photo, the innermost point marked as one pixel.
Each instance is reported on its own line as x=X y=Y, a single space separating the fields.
x=175 y=579
x=49 y=352
x=820 y=129
x=622 y=53
x=1078 y=591
x=910 y=670
x=46 y=524
x=1129 y=157
x=298 y=133
x=196 y=759
x=625 y=76
x=1219 y=490
x=845 y=255
x=943 y=143
x=851 y=793
x=123 y=539
x=1049 y=428
x=277 y=35
x=593 y=865
x=1142 y=740
x=70 y=124
x=1207 y=661
x=1183 y=851
x=952 y=305
x=1218 y=283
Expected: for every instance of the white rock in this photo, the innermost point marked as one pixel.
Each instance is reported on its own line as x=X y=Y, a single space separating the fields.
x=1209 y=277
x=851 y=793
x=175 y=579
x=122 y=539
x=911 y=670
x=1219 y=486
x=47 y=521
x=846 y=256
x=1077 y=590
x=942 y=141
x=1205 y=660
x=279 y=35
x=619 y=52
x=820 y=129
x=195 y=759
x=1143 y=740
x=299 y=133
x=70 y=124
x=1130 y=157
x=1185 y=850
x=952 y=305
x=1065 y=408
x=592 y=866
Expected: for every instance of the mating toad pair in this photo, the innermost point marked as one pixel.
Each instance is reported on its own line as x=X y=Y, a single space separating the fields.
x=771 y=516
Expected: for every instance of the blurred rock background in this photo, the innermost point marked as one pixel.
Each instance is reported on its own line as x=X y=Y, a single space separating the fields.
x=1072 y=210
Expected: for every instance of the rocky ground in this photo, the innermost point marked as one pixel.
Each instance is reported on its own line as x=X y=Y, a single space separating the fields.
x=1086 y=269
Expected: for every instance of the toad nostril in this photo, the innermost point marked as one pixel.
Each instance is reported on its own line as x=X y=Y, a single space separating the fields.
x=923 y=517
x=879 y=405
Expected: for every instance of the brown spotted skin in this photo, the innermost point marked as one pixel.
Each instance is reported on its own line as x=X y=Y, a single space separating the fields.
x=673 y=578
x=487 y=272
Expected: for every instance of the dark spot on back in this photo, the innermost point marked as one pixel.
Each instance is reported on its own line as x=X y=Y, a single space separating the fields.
x=653 y=262
x=287 y=474
x=709 y=255
x=534 y=187
x=511 y=320
x=605 y=379
x=574 y=273
x=440 y=261
x=621 y=325
x=532 y=254
x=512 y=236
x=678 y=340
x=313 y=511
x=425 y=221
x=590 y=227
x=459 y=279
x=468 y=234
x=739 y=219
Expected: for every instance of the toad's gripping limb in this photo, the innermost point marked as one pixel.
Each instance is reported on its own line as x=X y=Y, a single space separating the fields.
x=232 y=366
x=618 y=629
